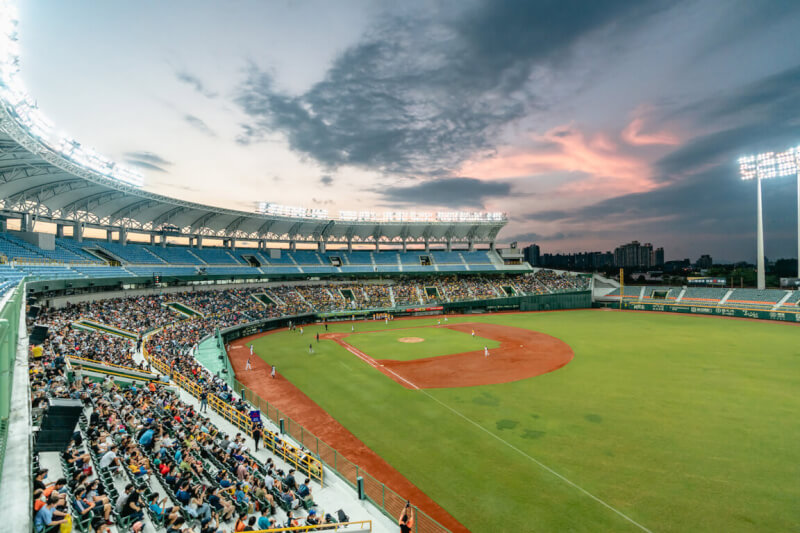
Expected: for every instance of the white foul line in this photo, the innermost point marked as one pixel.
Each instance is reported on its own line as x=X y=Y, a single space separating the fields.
x=544 y=466
x=372 y=362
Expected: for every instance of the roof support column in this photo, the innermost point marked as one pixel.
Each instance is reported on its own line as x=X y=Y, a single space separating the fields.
x=449 y=245
x=427 y=245
x=231 y=243
x=109 y=235
x=471 y=246
x=405 y=246
x=77 y=231
x=25 y=222
x=152 y=239
x=123 y=236
x=163 y=240
x=292 y=246
x=59 y=231
x=349 y=246
x=199 y=242
x=321 y=246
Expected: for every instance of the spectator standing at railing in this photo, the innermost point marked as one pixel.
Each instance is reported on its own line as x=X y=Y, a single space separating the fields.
x=203 y=400
x=257 y=435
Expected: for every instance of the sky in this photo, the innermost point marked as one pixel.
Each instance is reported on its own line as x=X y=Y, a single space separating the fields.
x=590 y=123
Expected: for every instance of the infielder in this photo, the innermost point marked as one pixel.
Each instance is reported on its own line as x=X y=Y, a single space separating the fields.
x=248 y=366
x=486 y=351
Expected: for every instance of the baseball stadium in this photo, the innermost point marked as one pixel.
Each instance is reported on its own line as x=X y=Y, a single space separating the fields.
x=172 y=366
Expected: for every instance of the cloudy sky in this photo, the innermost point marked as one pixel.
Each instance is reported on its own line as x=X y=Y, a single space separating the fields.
x=590 y=123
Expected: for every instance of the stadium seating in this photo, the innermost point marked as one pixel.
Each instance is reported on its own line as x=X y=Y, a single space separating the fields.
x=477 y=258
x=131 y=253
x=385 y=258
x=175 y=255
x=101 y=271
x=15 y=248
x=77 y=248
x=755 y=299
x=443 y=258
x=707 y=295
x=216 y=256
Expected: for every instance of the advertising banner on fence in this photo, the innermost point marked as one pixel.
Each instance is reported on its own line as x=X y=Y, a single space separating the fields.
x=782 y=316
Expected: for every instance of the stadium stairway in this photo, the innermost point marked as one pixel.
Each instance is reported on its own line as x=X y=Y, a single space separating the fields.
x=783 y=300
x=725 y=298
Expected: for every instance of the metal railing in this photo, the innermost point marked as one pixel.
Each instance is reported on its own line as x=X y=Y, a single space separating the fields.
x=362 y=525
x=9 y=335
x=387 y=500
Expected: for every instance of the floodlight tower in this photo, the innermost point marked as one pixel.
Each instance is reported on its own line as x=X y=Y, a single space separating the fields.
x=765 y=166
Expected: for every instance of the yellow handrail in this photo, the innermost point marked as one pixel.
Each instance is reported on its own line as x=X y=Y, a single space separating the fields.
x=109 y=372
x=288 y=452
x=95 y=361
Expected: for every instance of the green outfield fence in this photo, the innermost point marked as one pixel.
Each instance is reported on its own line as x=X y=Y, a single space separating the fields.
x=9 y=335
x=712 y=310
x=387 y=500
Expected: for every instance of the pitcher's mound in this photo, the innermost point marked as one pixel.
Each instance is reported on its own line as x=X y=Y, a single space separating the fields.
x=411 y=340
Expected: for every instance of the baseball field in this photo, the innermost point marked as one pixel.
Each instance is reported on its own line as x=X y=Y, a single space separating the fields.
x=647 y=422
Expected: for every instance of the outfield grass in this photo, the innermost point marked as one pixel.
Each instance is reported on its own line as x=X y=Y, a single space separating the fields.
x=437 y=341
x=682 y=423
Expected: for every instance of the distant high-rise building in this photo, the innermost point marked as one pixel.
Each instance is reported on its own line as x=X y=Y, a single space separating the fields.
x=658 y=257
x=705 y=261
x=532 y=255
x=635 y=254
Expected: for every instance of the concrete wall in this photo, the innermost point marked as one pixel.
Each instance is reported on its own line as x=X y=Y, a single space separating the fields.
x=45 y=241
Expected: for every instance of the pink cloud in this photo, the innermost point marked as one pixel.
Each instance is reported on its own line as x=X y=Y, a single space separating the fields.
x=567 y=149
x=633 y=135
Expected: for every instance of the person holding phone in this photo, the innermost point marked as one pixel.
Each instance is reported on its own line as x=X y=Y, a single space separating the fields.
x=406 y=520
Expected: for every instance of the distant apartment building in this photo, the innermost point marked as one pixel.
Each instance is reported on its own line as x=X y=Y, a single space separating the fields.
x=532 y=255
x=635 y=255
x=705 y=261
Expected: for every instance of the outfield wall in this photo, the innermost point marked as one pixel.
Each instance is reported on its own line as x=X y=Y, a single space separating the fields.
x=737 y=312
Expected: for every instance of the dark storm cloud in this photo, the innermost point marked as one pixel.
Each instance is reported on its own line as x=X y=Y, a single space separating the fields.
x=700 y=191
x=538 y=237
x=195 y=83
x=448 y=192
x=764 y=115
x=199 y=124
x=326 y=181
x=554 y=214
x=147 y=160
x=419 y=96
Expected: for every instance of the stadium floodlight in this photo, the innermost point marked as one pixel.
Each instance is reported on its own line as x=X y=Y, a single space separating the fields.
x=25 y=111
x=268 y=208
x=770 y=165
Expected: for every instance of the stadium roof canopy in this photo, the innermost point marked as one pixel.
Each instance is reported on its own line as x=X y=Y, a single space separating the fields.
x=41 y=181
x=54 y=178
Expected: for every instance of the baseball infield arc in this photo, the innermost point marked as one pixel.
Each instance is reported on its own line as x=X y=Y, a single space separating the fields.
x=522 y=354
x=538 y=355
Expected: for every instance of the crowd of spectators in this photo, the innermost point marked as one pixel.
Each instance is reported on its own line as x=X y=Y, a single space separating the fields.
x=135 y=313
x=141 y=455
x=63 y=341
